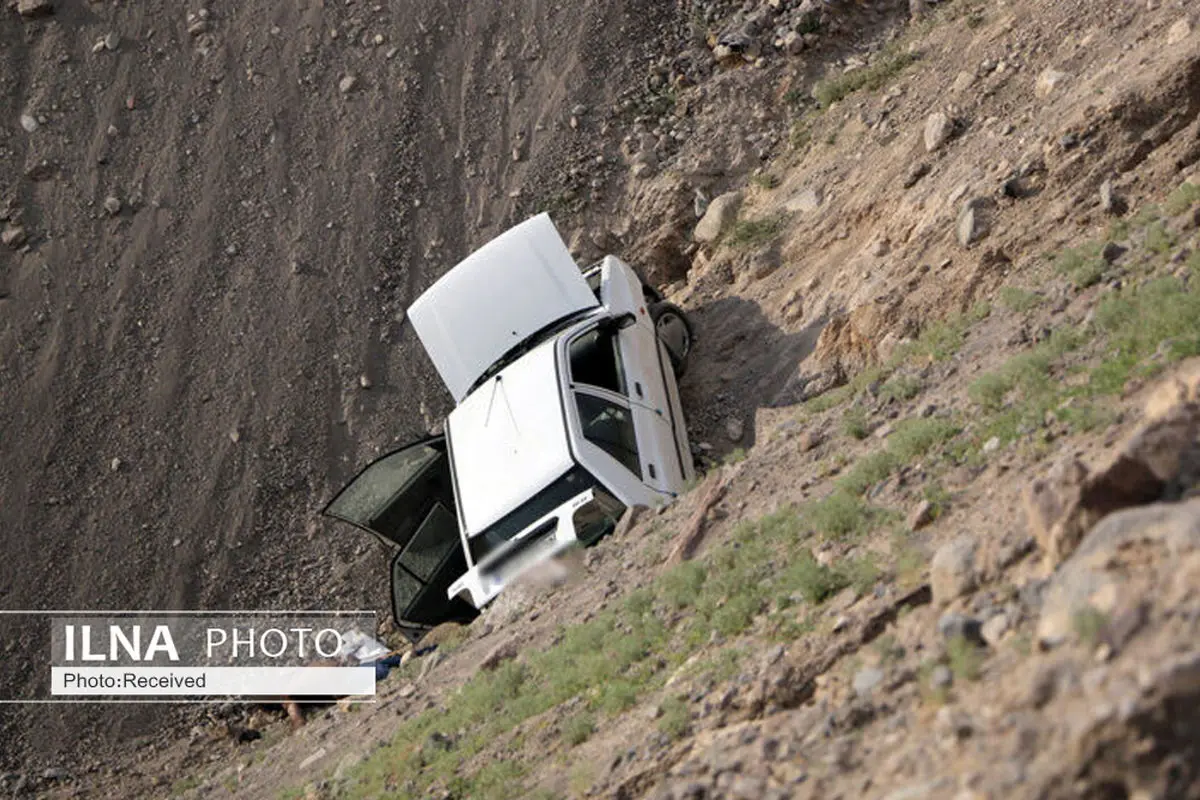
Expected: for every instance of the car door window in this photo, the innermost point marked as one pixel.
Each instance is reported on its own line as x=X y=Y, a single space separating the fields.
x=609 y=425
x=596 y=360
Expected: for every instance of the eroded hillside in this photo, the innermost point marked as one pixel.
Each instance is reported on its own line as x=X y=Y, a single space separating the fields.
x=942 y=275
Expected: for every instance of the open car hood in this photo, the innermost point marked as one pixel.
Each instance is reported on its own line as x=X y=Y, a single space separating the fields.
x=512 y=287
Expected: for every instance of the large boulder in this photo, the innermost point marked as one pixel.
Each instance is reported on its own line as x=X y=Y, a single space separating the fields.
x=718 y=217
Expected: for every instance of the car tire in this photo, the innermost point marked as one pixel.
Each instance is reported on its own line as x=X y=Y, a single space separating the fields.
x=675 y=331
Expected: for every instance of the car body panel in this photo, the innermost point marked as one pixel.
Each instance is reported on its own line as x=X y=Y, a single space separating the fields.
x=466 y=322
x=510 y=439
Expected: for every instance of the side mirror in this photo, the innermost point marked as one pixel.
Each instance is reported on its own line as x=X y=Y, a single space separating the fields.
x=622 y=322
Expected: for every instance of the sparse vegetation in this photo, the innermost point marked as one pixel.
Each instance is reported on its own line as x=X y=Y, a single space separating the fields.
x=764 y=180
x=964 y=658
x=579 y=728
x=676 y=717
x=900 y=388
x=750 y=233
x=1019 y=300
x=1089 y=625
x=886 y=66
x=1083 y=266
x=812 y=580
x=1182 y=199
x=855 y=423
x=942 y=339
x=751 y=582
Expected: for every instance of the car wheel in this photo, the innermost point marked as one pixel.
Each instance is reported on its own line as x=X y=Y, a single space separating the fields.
x=674 y=330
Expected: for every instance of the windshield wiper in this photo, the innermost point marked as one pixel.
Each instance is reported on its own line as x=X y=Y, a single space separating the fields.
x=528 y=343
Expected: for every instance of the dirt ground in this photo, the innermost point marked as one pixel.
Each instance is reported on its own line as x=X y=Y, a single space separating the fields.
x=927 y=207
x=184 y=366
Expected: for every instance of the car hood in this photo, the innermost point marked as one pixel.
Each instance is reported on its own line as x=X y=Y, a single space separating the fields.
x=512 y=287
x=508 y=439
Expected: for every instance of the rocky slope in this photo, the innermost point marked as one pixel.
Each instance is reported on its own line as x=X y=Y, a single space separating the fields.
x=213 y=218
x=942 y=274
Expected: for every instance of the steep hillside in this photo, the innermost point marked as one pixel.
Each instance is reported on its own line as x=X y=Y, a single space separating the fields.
x=215 y=215
x=942 y=272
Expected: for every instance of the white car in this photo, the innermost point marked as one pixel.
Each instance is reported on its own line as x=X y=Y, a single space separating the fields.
x=567 y=412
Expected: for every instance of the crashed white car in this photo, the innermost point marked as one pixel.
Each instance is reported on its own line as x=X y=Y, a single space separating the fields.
x=567 y=412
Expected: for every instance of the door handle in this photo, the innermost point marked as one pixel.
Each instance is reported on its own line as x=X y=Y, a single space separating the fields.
x=637 y=387
x=653 y=472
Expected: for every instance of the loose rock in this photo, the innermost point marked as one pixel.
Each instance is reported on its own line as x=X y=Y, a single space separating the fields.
x=35 y=8
x=920 y=516
x=1181 y=30
x=112 y=205
x=1110 y=201
x=1048 y=81
x=806 y=202
x=952 y=571
x=347 y=84
x=973 y=223
x=13 y=236
x=718 y=217
x=504 y=651
x=867 y=679
x=938 y=130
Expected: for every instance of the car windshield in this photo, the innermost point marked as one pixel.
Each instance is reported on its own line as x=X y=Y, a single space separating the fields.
x=576 y=481
x=528 y=343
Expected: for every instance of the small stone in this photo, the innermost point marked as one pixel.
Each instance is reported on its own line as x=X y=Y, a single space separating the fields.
x=235 y=436
x=938 y=130
x=809 y=440
x=734 y=429
x=1181 y=30
x=176 y=542
x=13 y=236
x=915 y=173
x=972 y=222
x=28 y=123
x=920 y=516
x=952 y=571
x=1112 y=251
x=115 y=464
x=866 y=680
x=198 y=27
x=805 y=202
x=313 y=758
x=112 y=205
x=347 y=84
x=111 y=41
x=1110 y=201
x=364 y=381
x=994 y=629
x=55 y=774
x=991 y=445
x=1043 y=685
x=1048 y=81
x=504 y=651
x=35 y=8
x=793 y=43
x=941 y=677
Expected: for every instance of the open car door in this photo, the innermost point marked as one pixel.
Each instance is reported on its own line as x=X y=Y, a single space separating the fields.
x=406 y=499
